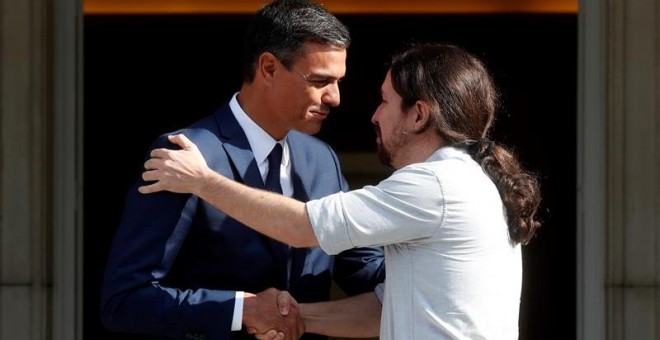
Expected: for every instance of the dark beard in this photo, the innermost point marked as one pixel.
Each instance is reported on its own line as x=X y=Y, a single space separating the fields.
x=384 y=156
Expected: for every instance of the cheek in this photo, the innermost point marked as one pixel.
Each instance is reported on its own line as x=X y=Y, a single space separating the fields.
x=298 y=101
x=387 y=130
x=383 y=113
x=388 y=118
x=314 y=97
x=302 y=99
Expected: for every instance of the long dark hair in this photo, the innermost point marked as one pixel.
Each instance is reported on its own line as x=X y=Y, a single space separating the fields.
x=463 y=102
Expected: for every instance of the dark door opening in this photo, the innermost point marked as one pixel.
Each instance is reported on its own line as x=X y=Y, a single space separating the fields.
x=146 y=75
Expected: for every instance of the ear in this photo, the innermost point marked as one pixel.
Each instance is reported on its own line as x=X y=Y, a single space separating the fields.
x=421 y=116
x=266 y=67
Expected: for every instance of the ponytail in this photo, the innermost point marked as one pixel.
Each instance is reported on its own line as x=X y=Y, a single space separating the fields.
x=519 y=189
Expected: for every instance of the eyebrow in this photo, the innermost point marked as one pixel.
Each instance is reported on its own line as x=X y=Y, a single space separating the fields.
x=324 y=76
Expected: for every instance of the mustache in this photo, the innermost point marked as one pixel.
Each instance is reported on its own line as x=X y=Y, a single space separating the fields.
x=376 y=127
x=324 y=109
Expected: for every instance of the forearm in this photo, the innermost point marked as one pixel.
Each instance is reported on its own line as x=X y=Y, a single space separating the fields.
x=279 y=217
x=133 y=298
x=354 y=317
x=158 y=311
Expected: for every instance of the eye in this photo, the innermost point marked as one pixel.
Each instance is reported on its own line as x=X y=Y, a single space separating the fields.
x=319 y=83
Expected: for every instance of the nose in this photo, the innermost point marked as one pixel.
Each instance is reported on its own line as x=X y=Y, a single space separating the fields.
x=331 y=95
x=374 y=117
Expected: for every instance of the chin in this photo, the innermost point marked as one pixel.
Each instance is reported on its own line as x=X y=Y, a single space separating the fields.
x=383 y=156
x=309 y=129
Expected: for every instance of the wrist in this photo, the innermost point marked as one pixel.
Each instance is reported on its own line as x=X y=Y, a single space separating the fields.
x=249 y=304
x=308 y=317
x=203 y=183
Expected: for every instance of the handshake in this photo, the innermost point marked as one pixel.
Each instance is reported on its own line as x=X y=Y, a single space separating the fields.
x=275 y=315
x=272 y=315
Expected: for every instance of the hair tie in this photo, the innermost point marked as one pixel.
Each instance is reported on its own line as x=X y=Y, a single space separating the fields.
x=485 y=147
x=479 y=149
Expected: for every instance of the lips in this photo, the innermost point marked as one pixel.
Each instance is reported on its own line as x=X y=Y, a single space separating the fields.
x=321 y=110
x=322 y=114
x=377 y=130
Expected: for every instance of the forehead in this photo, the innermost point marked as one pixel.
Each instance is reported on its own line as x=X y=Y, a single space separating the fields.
x=387 y=84
x=322 y=58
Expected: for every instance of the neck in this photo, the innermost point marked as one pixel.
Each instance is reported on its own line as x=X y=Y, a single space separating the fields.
x=418 y=149
x=254 y=101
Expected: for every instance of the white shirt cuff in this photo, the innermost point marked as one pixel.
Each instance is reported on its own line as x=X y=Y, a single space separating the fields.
x=237 y=320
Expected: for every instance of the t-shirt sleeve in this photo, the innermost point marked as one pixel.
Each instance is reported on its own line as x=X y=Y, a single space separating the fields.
x=406 y=206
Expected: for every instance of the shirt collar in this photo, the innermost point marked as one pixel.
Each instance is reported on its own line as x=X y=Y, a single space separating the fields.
x=260 y=141
x=448 y=152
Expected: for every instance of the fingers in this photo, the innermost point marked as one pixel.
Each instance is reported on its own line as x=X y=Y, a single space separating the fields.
x=301 y=328
x=153 y=164
x=173 y=170
x=270 y=335
x=284 y=302
x=151 y=176
x=160 y=153
x=277 y=311
x=151 y=188
x=182 y=141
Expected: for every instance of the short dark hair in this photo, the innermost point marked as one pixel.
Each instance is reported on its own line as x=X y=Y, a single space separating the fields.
x=284 y=26
x=463 y=100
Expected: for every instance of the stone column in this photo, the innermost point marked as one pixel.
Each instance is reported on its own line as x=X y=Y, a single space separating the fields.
x=39 y=278
x=25 y=234
x=67 y=172
x=25 y=237
x=619 y=170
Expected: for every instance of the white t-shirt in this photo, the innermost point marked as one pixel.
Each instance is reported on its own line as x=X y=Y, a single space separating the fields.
x=452 y=270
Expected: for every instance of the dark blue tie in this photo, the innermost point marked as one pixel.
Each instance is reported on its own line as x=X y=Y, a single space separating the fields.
x=273 y=184
x=274 y=162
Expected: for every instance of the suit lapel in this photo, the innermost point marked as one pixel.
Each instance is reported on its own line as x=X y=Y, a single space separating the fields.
x=300 y=172
x=238 y=149
x=240 y=153
x=301 y=178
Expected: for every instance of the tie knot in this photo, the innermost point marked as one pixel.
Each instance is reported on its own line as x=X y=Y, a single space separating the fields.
x=275 y=157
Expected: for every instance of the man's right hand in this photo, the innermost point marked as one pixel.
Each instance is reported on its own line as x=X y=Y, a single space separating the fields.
x=272 y=314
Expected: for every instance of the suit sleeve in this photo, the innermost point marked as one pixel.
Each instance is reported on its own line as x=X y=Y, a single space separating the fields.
x=357 y=270
x=134 y=299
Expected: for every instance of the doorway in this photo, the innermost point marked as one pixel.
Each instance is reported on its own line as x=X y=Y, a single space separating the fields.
x=146 y=75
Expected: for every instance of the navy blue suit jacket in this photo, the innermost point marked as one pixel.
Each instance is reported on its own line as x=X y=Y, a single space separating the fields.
x=176 y=262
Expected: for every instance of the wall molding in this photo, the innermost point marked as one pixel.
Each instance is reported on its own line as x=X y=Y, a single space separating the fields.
x=335 y=6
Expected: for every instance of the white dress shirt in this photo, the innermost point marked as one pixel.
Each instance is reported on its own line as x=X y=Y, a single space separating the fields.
x=452 y=270
x=261 y=144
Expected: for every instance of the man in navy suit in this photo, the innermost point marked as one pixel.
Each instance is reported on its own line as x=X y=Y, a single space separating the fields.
x=179 y=268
